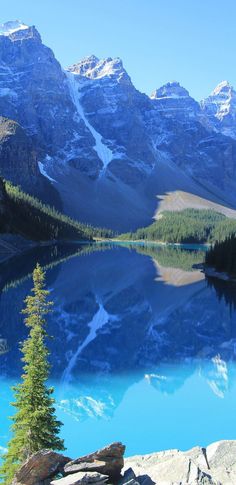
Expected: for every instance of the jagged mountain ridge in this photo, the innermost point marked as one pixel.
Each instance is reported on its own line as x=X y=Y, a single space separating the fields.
x=111 y=152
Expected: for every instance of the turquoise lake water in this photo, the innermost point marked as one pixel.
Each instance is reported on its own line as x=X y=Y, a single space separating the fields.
x=143 y=351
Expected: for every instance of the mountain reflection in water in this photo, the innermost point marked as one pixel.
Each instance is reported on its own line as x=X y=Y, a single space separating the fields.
x=126 y=318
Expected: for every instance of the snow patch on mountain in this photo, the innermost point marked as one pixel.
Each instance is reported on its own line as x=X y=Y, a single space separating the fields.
x=43 y=170
x=104 y=153
x=10 y=27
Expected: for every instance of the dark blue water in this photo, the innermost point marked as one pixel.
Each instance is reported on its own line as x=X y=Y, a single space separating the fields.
x=143 y=349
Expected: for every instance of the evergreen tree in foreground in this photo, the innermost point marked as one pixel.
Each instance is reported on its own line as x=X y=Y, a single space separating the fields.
x=34 y=425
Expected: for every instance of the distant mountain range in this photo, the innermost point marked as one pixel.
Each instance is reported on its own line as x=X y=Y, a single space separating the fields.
x=86 y=140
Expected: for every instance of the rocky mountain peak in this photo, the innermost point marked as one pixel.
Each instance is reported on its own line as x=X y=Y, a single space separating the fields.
x=17 y=30
x=85 y=66
x=172 y=99
x=171 y=89
x=223 y=97
x=220 y=108
x=93 y=68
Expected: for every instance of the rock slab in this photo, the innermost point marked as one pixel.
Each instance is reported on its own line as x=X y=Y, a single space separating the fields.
x=108 y=461
x=39 y=467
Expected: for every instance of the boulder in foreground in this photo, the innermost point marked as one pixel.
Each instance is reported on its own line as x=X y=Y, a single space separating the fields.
x=108 y=461
x=40 y=466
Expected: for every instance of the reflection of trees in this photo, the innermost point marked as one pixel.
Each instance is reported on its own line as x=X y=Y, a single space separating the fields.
x=17 y=269
x=225 y=290
x=14 y=271
x=171 y=257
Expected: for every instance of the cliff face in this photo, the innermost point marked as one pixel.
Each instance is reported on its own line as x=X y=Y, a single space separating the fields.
x=18 y=157
x=19 y=162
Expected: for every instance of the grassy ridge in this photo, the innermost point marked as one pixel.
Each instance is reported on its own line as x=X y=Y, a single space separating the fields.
x=187 y=226
x=27 y=216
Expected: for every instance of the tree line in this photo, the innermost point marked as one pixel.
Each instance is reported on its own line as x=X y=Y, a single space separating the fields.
x=222 y=255
x=26 y=215
x=186 y=226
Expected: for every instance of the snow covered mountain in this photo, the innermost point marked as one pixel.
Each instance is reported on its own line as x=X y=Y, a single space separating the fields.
x=220 y=108
x=113 y=154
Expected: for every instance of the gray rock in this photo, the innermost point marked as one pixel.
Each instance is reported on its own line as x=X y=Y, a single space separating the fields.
x=214 y=465
x=82 y=478
x=85 y=466
x=39 y=467
x=128 y=477
x=145 y=480
x=108 y=460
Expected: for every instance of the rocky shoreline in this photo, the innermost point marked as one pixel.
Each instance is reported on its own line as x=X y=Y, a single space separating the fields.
x=213 y=465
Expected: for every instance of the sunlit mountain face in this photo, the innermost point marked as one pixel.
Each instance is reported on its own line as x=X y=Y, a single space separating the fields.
x=133 y=327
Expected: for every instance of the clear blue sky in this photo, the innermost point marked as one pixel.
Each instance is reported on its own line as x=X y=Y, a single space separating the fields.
x=191 y=41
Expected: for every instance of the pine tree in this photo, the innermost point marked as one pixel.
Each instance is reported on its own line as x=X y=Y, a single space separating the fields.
x=34 y=425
